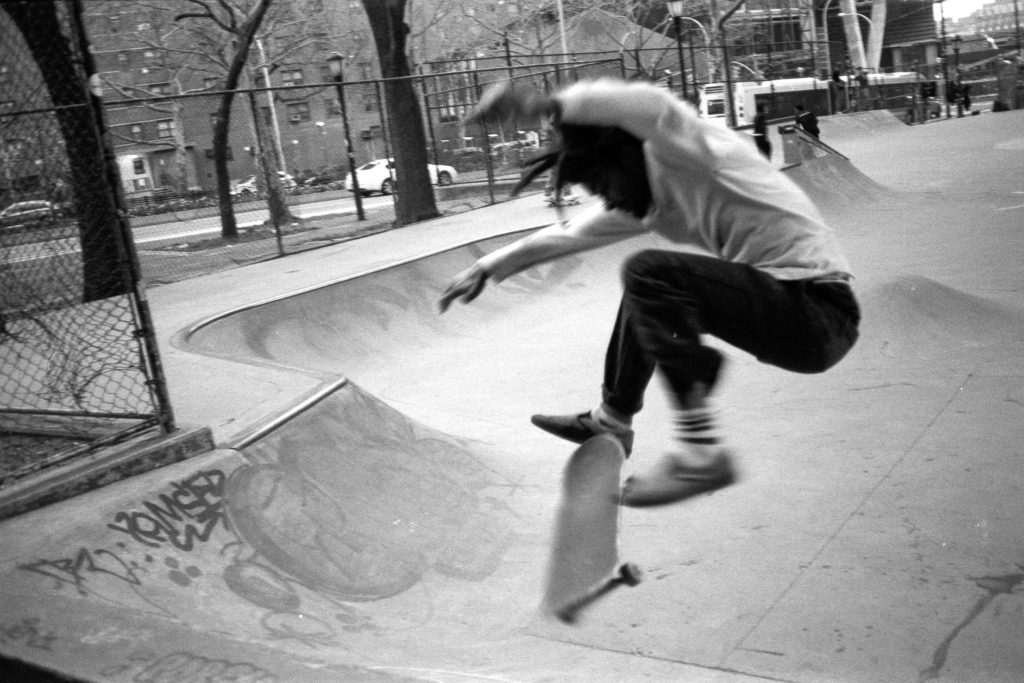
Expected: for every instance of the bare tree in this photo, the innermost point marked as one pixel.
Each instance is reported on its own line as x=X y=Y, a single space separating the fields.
x=415 y=197
x=94 y=202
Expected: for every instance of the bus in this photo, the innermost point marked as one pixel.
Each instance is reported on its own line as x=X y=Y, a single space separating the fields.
x=884 y=91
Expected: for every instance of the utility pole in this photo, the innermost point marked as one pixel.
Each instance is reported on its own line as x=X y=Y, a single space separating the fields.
x=278 y=149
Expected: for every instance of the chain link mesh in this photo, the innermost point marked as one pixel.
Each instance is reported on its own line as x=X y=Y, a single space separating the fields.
x=73 y=368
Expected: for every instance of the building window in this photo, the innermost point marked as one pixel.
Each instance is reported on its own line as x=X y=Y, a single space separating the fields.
x=159 y=88
x=151 y=56
x=114 y=22
x=325 y=74
x=139 y=166
x=299 y=112
x=144 y=26
x=333 y=107
x=122 y=58
x=370 y=102
x=165 y=128
x=136 y=131
x=267 y=116
x=291 y=77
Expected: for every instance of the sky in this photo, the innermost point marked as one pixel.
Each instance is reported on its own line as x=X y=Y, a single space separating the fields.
x=956 y=9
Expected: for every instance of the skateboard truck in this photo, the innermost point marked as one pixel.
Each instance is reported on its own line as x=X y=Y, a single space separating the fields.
x=629 y=574
x=584 y=564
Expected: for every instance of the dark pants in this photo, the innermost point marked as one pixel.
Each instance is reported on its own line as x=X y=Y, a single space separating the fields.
x=670 y=299
x=763 y=146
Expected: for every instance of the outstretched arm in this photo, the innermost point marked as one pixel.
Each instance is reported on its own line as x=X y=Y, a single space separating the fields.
x=465 y=287
x=591 y=229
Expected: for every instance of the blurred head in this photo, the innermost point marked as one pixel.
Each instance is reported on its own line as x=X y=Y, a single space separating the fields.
x=606 y=160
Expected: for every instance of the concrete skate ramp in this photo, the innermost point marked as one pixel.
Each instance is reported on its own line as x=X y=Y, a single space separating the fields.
x=836 y=184
x=394 y=523
x=477 y=373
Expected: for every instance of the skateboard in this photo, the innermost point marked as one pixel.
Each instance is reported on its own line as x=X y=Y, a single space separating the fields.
x=584 y=561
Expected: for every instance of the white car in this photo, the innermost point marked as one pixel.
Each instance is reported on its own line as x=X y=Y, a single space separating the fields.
x=379 y=176
x=29 y=213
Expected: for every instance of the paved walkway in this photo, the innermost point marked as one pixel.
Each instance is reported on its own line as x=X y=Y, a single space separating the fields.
x=381 y=509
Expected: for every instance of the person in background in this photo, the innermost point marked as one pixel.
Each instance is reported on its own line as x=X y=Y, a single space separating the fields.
x=764 y=145
x=807 y=121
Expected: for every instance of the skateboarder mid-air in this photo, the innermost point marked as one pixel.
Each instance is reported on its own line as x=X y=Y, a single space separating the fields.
x=771 y=279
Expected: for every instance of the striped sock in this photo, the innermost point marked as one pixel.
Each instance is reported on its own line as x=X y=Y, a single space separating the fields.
x=699 y=431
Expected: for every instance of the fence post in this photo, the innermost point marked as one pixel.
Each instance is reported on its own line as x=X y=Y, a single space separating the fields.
x=156 y=380
x=487 y=144
x=426 y=111
x=387 y=144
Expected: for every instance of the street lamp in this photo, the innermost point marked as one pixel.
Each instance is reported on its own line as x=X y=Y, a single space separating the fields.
x=335 y=62
x=693 y=58
x=862 y=16
x=675 y=8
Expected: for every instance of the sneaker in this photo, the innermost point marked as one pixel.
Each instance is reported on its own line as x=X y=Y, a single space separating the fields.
x=671 y=481
x=579 y=428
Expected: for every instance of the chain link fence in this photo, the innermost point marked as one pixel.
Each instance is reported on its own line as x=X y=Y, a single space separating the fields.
x=78 y=366
x=289 y=166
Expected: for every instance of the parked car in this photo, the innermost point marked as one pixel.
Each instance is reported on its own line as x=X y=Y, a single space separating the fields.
x=379 y=176
x=326 y=176
x=29 y=214
x=248 y=186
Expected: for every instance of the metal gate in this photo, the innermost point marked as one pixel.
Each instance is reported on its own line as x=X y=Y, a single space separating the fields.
x=78 y=362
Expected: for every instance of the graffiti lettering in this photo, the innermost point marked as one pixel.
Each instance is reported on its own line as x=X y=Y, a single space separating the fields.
x=74 y=570
x=27 y=632
x=189 y=514
x=183 y=667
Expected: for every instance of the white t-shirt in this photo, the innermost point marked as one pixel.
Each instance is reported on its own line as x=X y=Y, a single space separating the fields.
x=711 y=189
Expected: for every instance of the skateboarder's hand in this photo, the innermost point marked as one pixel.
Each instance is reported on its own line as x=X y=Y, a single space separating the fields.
x=504 y=102
x=466 y=286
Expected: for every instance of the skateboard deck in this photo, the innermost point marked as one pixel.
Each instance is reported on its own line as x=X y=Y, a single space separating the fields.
x=584 y=556
x=565 y=201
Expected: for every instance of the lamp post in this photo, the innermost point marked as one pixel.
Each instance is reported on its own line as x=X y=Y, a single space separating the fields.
x=942 y=56
x=335 y=63
x=957 y=42
x=693 y=58
x=828 y=45
x=675 y=8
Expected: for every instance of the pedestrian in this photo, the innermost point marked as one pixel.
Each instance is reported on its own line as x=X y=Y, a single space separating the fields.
x=807 y=121
x=764 y=145
x=772 y=280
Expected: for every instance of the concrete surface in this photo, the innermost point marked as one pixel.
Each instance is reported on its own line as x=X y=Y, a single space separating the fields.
x=380 y=507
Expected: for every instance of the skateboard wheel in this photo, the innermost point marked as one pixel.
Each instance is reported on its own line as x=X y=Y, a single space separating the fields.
x=631 y=574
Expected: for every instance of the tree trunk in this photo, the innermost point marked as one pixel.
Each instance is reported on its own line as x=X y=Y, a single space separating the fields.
x=244 y=37
x=851 y=26
x=414 y=196
x=95 y=205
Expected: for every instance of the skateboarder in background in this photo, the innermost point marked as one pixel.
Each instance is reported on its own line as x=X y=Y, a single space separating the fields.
x=772 y=280
x=808 y=121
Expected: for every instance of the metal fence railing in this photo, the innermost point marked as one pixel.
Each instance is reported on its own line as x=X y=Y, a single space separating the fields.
x=288 y=161
x=78 y=366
